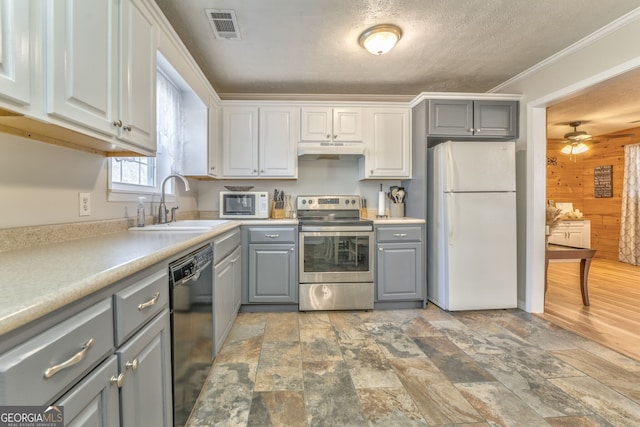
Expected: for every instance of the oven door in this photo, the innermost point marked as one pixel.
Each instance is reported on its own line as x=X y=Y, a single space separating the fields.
x=336 y=256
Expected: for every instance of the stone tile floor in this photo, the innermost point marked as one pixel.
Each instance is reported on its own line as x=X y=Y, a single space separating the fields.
x=415 y=368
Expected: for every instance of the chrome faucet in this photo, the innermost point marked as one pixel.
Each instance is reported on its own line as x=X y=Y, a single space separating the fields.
x=162 y=210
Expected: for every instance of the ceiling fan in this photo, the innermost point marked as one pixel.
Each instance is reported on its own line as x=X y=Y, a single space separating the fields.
x=575 y=140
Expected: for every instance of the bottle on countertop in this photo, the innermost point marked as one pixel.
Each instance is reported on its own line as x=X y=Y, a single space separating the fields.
x=141 y=215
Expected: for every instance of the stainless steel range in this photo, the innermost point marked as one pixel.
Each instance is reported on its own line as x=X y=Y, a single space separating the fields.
x=336 y=254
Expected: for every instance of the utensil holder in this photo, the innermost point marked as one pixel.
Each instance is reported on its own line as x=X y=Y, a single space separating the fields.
x=276 y=213
x=396 y=210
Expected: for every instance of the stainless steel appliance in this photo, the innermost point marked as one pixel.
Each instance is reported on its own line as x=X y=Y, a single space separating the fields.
x=244 y=204
x=336 y=254
x=191 y=285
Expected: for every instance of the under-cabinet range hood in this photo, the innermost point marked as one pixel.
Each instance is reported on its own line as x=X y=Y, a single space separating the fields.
x=330 y=150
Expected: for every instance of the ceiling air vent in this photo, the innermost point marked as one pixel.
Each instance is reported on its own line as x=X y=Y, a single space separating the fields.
x=224 y=24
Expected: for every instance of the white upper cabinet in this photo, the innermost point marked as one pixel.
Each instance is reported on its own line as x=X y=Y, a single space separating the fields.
x=259 y=142
x=240 y=142
x=388 y=144
x=326 y=124
x=101 y=68
x=278 y=156
x=15 y=51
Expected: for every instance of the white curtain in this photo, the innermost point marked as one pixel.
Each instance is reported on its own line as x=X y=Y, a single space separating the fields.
x=629 y=249
x=169 y=122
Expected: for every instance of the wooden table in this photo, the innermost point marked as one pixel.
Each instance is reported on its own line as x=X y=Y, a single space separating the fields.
x=569 y=252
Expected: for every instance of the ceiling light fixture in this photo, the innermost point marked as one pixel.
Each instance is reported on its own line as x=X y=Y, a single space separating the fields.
x=380 y=39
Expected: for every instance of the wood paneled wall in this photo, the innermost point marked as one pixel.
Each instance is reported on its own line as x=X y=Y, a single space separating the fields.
x=573 y=181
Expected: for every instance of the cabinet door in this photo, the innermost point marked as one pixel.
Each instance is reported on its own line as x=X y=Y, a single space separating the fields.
x=15 y=63
x=316 y=124
x=450 y=117
x=145 y=360
x=137 y=106
x=272 y=276
x=213 y=136
x=278 y=155
x=495 y=118
x=224 y=299
x=81 y=68
x=388 y=144
x=399 y=271
x=94 y=401
x=347 y=124
x=240 y=142
x=237 y=280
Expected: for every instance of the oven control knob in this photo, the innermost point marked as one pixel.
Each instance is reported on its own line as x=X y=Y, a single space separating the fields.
x=353 y=201
x=310 y=201
x=304 y=202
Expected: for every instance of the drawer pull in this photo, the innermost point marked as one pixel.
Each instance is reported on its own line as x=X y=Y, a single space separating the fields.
x=119 y=380
x=149 y=303
x=132 y=365
x=272 y=236
x=399 y=234
x=77 y=358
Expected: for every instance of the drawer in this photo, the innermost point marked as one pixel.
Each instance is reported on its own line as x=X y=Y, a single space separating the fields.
x=224 y=244
x=138 y=303
x=398 y=234
x=272 y=235
x=62 y=353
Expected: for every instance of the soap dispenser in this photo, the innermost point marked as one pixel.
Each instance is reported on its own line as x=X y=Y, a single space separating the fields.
x=141 y=215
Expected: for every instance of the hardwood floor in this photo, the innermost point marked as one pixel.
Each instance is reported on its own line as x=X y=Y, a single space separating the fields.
x=613 y=318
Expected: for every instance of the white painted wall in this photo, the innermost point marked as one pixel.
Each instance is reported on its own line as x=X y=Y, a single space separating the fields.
x=39 y=184
x=604 y=54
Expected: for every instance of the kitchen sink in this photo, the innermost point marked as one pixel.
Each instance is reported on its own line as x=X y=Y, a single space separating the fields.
x=186 y=225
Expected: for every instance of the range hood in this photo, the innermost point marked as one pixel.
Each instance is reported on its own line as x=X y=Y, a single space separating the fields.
x=330 y=150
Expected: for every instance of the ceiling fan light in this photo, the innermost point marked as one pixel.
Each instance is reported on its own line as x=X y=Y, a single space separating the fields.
x=580 y=148
x=380 y=39
x=567 y=149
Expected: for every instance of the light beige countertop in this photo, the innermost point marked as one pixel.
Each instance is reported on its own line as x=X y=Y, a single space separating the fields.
x=39 y=280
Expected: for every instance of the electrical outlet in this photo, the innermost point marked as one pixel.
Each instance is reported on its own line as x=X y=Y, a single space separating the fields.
x=84 y=200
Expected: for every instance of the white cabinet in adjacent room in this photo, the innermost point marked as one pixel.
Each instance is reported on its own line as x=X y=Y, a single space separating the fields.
x=326 y=124
x=101 y=65
x=259 y=142
x=388 y=144
x=572 y=233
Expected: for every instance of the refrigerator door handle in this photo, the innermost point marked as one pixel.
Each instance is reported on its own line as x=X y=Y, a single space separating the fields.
x=449 y=185
x=449 y=208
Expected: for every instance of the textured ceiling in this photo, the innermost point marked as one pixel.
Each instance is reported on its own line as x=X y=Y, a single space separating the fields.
x=311 y=47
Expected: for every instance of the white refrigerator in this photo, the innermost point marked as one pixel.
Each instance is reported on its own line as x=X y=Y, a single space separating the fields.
x=471 y=225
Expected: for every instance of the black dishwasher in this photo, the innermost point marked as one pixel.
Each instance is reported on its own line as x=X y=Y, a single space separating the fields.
x=191 y=285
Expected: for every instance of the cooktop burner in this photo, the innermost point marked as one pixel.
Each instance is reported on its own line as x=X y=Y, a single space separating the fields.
x=330 y=211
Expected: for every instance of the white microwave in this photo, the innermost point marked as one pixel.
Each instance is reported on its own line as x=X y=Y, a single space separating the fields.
x=244 y=204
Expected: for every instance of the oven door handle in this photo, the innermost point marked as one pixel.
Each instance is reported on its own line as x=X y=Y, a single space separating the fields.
x=330 y=228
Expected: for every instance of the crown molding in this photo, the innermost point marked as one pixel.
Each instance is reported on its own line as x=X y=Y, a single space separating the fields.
x=313 y=97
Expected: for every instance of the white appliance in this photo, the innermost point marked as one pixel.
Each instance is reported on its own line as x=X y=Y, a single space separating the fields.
x=244 y=204
x=471 y=223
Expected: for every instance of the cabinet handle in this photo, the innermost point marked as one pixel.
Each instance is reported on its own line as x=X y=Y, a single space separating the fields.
x=149 y=303
x=470 y=129
x=127 y=128
x=77 y=358
x=118 y=123
x=399 y=234
x=335 y=136
x=119 y=380
x=261 y=170
x=255 y=170
x=380 y=249
x=328 y=136
x=292 y=249
x=478 y=130
x=132 y=365
x=272 y=236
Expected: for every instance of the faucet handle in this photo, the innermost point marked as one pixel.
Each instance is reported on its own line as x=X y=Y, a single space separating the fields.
x=173 y=214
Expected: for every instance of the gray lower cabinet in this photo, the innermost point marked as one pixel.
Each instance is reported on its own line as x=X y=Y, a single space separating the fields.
x=145 y=360
x=106 y=359
x=399 y=263
x=226 y=296
x=272 y=267
x=94 y=401
x=472 y=118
